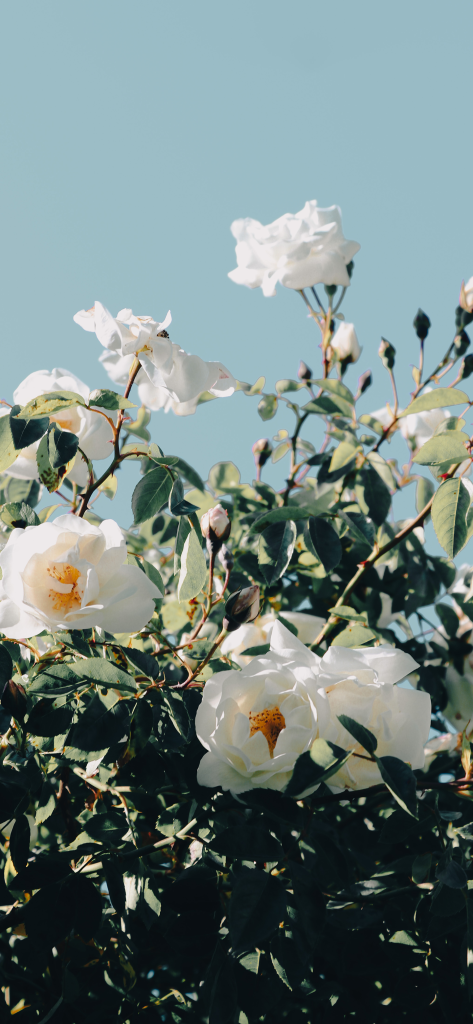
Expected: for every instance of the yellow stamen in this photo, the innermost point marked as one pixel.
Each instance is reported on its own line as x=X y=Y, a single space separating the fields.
x=67 y=574
x=270 y=722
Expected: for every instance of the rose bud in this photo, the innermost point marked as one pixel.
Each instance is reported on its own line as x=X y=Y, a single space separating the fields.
x=225 y=556
x=364 y=382
x=345 y=344
x=421 y=324
x=461 y=343
x=241 y=607
x=262 y=450
x=215 y=526
x=467 y=367
x=14 y=700
x=387 y=354
x=304 y=372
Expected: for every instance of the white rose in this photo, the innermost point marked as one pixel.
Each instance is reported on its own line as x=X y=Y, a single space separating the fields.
x=255 y=723
x=94 y=433
x=345 y=343
x=257 y=633
x=166 y=366
x=420 y=427
x=68 y=574
x=384 y=416
x=361 y=683
x=298 y=250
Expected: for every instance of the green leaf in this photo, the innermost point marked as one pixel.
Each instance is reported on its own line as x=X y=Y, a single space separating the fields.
x=138 y=426
x=383 y=469
x=257 y=906
x=8 y=452
x=439 y=398
x=62 y=446
x=448 y=618
x=275 y=548
x=360 y=529
x=353 y=636
x=25 y=431
x=46 y=803
x=372 y=495
x=336 y=388
x=424 y=492
x=363 y=736
x=323 y=541
x=344 y=453
x=315 y=766
x=247 y=842
x=100 y=725
x=178 y=505
x=448 y=447
x=281 y=451
x=449 y=510
x=105 y=399
x=98 y=670
x=151 y=493
x=20 y=842
x=50 y=403
x=153 y=574
x=251 y=389
x=289 y=385
x=333 y=406
x=108 y=828
x=279 y=515
x=267 y=407
x=50 y=477
x=42 y=721
x=400 y=780
x=18 y=515
x=55 y=681
x=189 y=474
x=193 y=572
x=345 y=612
x=6 y=665
x=223 y=477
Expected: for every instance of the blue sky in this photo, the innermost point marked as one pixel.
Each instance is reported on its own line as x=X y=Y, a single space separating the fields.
x=135 y=133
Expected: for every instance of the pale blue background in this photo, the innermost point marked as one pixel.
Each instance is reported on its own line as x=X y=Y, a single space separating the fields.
x=133 y=134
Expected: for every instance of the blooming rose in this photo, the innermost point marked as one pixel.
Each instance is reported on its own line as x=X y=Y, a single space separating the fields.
x=255 y=634
x=92 y=429
x=171 y=372
x=345 y=343
x=298 y=250
x=255 y=723
x=68 y=574
x=444 y=743
x=361 y=683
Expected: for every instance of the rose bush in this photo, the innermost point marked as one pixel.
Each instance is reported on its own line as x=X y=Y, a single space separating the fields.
x=235 y=754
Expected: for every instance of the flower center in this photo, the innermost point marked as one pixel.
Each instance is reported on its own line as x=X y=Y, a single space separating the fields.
x=68 y=575
x=270 y=722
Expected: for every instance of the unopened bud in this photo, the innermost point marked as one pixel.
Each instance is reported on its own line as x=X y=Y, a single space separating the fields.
x=262 y=451
x=14 y=700
x=350 y=268
x=225 y=556
x=364 y=382
x=241 y=607
x=461 y=343
x=467 y=367
x=215 y=526
x=463 y=317
x=330 y=289
x=387 y=354
x=304 y=372
x=421 y=324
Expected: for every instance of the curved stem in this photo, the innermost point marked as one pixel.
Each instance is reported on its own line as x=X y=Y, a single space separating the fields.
x=195 y=673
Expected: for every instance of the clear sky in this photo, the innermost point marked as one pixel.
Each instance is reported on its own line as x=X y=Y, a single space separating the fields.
x=133 y=134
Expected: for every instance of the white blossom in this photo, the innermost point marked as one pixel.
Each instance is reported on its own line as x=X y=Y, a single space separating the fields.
x=168 y=372
x=68 y=574
x=257 y=633
x=94 y=432
x=298 y=250
x=256 y=722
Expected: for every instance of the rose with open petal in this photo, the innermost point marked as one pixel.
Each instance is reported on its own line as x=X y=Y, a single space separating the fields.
x=256 y=722
x=68 y=574
x=298 y=250
x=257 y=633
x=168 y=372
x=92 y=429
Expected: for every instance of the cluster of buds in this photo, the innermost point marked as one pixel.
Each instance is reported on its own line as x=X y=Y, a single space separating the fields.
x=215 y=526
x=262 y=451
x=241 y=607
